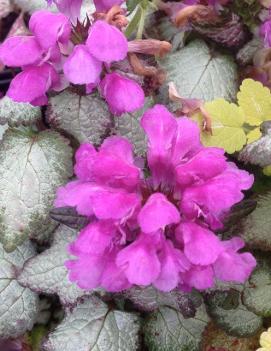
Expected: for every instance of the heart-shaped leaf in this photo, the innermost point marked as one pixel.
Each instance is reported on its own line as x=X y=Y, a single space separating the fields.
x=19 y=305
x=92 y=326
x=32 y=167
x=166 y=329
x=46 y=272
x=87 y=118
x=197 y=72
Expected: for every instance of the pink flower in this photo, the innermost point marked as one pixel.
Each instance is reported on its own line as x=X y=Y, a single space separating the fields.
x=105 y=5
x=70 y=8
x=159 y=229
x=38 y=55
x=265 y=33
x=121 y=94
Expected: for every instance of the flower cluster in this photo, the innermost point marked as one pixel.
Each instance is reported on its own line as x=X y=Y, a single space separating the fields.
x=155 y=226
x=49 y=52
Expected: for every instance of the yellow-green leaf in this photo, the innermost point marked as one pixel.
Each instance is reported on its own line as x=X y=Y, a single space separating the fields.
x=255 y=100
x=227 y=126
x=253 y=135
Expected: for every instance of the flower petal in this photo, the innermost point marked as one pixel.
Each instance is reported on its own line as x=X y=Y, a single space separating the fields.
x=20 y=51
x=157 y=213
x=81 y=67
x=122 y=94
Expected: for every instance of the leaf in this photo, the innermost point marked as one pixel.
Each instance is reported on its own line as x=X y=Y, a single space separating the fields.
x=256 y=228
x=257 y=295
x=19 y=305
x=46 y=273
x=16 y=113
x=149 y=299
x=129 y=126
x=200 y=73
x=33 y=5
x=237 y=322
x=167 y=330
x=253 y=135
x=259 y=152
x=69 y=216
x=92 y=326
x=246 y=53
x=5 y=8
x=135 y=20
x=216 y=339
x=32 y=167
x=85 y=117
x=227 y=126
x=255 y=101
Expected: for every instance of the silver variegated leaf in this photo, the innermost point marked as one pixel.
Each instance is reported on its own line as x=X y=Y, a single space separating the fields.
x=32 y=167
x=91 y=326
x=87 y=118
x=197 y=72
x=16 y=113
x=34 y=5
x=167 y=330
x=128 y=125
x=46 y=272
x=19 y=305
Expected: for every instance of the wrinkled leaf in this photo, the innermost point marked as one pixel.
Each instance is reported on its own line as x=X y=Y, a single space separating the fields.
x=246 y=53
x=256 y=227
x=259 y=152
x=199 y=73
x=216 y=339
x=46 y=272
x=237 y=322
x=257 y=294
x=85 y=117
x=227 y=121
x=128 y=126
x=149 y=299
x=167 y=330
x=32 y=167
x=33 y=5
x=16 y=113
x=91 y=326
x=19 y=305
x=69 y=216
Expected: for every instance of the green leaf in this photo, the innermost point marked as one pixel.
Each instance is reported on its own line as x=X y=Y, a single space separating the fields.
x=92 y=326
x=257 y=294
x=16 y=113
x=167 y=330
x=238 y=322
x=19 y=305
x=200 y=73
x=85 y=117
x=46 y=273
x=132 y=26
x=132 y=4
x=32 y=167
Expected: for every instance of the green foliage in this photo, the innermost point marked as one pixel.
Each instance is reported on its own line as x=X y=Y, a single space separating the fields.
x=247 y=10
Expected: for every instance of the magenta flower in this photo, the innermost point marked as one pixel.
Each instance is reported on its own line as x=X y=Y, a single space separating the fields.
x=38 y=55
x=105 y=5
x=104 y=45
x=156 y=229
x=70 y=8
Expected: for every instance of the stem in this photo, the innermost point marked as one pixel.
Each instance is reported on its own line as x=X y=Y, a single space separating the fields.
x=141 y=24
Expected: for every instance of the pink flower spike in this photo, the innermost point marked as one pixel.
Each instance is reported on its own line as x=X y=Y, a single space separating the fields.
x=32 y=83
x=106 y=42
x=122 y=94
x=157 y=213
x=81 y=67
x=199 y=277
x=20 y=51
x=140 y=262
x=85 y=158
x=234 y=266
x=201 y=246
x=50 y=28
x=105 y=5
